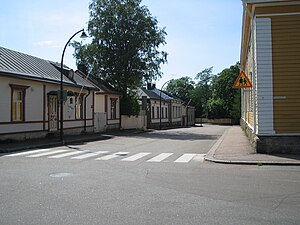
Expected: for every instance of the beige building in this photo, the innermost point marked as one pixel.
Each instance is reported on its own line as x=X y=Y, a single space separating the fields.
x=29 y=106
x=165 y=110
x=107 y=106
x=270 y=57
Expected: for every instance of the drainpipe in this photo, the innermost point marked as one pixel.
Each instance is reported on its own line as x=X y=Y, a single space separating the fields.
x=253 y=66
x=85 y=97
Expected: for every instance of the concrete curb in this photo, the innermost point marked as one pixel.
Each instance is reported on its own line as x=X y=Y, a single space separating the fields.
x=210 y=155
x=258 y=162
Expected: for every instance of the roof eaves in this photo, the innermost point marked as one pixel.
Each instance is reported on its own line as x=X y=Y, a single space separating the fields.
x=39 y=79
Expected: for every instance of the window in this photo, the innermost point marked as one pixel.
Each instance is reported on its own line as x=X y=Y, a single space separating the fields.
x=166 y=111
x=79 y=107
x=157 y=112
x=17 y=107
x=113 y=108
x=173 y=111
x=152 y=114
x=18 y=102
x=162 y=112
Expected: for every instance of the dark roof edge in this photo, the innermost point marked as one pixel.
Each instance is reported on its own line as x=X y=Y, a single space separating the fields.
x=45 y=80
x=98 y=84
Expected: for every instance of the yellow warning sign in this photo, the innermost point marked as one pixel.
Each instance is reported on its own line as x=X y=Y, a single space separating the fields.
x=242 y=81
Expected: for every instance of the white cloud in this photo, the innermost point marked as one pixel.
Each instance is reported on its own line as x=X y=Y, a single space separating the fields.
x=45 y=43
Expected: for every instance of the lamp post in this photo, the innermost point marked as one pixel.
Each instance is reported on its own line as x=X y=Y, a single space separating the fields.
x=160 y=102
x=83 y=35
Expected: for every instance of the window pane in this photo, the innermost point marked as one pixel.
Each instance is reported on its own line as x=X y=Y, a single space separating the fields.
x=17 y=105
x=79 y=107
x=113 y=108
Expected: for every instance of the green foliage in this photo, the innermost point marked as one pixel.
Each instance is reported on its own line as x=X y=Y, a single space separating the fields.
x=124 y=47
x=202 y=92
x=129 y=105
x=213 y=96
x=181 y=88
x=216 y=108
x=204 y=76
x=224 y=93
x=198 y=99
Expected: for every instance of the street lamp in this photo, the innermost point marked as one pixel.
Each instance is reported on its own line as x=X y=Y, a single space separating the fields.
x=160 y=102
x=61 y=98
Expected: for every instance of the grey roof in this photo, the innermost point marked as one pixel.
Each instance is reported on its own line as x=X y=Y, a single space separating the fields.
x=155 y=94
x=163 y=94
x=104 y=87
x=17 y=64
x=150 y=93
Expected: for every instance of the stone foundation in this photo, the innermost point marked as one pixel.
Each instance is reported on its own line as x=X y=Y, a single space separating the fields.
x=272 y=144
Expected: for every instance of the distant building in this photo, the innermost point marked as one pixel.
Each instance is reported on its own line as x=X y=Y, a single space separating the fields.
x=270 y=57
x=188 y=115
x=165 y=110
x=107 y=106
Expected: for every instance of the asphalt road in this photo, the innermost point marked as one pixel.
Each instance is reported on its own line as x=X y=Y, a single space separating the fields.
x=151 y=178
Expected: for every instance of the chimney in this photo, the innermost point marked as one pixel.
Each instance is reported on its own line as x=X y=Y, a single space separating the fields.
x=149 y=86
x=71 y=74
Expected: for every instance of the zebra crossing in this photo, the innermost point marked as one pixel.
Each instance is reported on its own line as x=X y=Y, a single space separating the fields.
x=106 y=155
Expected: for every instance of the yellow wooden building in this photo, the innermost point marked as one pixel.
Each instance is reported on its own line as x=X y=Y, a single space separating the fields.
x=270 y=57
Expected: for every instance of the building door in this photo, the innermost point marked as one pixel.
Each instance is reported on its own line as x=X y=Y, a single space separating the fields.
x=52 y=108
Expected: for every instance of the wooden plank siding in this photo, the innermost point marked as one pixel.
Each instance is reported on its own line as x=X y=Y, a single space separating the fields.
x=250 y=118
x=277 y=9
x=286 y=72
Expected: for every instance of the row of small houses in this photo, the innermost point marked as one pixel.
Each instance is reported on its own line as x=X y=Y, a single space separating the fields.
x=29 y=106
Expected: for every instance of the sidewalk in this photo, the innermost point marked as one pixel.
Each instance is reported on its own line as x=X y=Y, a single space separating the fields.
x=50 y=142
x=233 y=147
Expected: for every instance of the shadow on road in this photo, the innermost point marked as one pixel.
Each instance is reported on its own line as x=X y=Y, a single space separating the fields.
x=182 y=136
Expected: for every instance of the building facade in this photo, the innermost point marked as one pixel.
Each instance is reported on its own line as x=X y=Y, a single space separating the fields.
x=107 y=106
x=165 y=110
x=270 y=57
x=29 y=106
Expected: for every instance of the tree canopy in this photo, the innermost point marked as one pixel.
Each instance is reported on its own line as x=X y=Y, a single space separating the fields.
x=124 y=50
x=212 y=95
x=181 y=88
x=225 y=100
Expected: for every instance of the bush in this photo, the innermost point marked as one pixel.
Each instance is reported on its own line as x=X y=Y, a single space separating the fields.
x=129 y=105
x=216 y=109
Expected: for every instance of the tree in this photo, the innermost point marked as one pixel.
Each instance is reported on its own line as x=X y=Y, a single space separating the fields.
x=202 y=92
x=224 y=95
x=124 y=47
x=181 y=88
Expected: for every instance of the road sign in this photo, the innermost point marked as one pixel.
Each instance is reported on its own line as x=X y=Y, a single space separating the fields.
x=242 y=81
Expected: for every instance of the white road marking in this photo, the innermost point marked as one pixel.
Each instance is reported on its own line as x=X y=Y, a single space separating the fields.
x=185 y=158
x=199 y=158
x=136 y=156
x=88 y=155
x=56 y=154
x=112 y=156
x=66 y=154
x=27 y=152
x=160 y=157
x=47 y=153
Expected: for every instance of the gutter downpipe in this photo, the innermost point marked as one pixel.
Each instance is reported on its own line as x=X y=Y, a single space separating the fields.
x=251 y=15
x=85 y=97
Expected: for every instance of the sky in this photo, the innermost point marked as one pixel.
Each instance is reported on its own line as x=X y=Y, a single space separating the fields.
x=200 y=33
